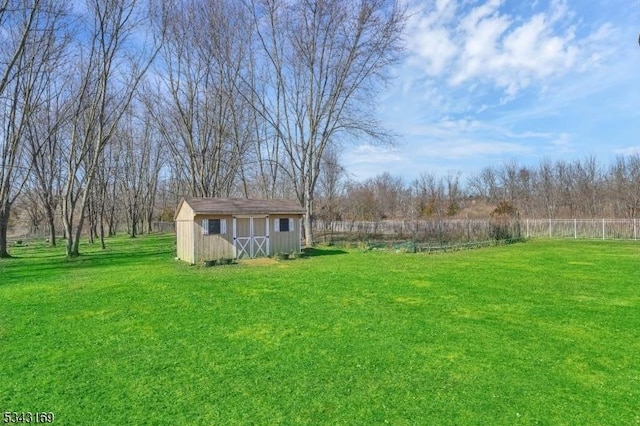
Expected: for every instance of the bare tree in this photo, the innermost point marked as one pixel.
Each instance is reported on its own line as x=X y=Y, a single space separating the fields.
x=325 y=59
x=141 y=156
x=507 y=179
x=547 y=189
x=265 y=172
x=151 y=170
x=34 y=211
x=29 y=43
x=565 y=178
x=360 y=202
x=486 y=185
x=389 y=192
x=624 y=184
x=331 y=183
x=454 y=193
x=111 y=65
x=43 y=138
x=430 y=193
x=104 y=200
x=203 y=119
x=588 y=180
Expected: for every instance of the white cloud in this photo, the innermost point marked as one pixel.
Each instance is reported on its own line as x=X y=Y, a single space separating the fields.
x=487 y=44
x=561 y=144
x=431 y=44
x=368 y=160
x=371 y=154
x=456 y=139
x=463 y=148
x=435 y=49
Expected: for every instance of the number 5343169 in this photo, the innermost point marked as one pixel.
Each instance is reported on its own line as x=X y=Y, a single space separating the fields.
x=28 y=417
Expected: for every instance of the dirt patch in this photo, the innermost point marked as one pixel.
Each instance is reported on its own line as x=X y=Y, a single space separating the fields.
x=261 y=261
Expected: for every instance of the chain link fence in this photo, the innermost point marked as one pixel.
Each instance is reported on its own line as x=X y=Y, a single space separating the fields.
x=451 y=232
x=446 y=234
x=603 y=229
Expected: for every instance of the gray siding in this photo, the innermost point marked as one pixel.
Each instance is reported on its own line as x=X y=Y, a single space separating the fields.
x=285 y=242
x=212 y=247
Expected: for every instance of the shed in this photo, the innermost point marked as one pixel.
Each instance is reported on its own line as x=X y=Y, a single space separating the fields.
x=217 y=228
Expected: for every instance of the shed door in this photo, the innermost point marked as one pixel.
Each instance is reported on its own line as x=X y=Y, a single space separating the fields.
x=260 y=238
x=251 y=238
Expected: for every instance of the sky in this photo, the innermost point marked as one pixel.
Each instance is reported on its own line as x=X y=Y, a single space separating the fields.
x=486 y=82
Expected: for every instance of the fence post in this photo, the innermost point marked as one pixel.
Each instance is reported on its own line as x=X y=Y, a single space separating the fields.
x=575 y=229
x=549 y=227
x=527 y=228
x=603 y=235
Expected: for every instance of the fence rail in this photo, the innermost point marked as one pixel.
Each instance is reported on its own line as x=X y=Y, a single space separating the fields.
x=164 y=227
x=605 y=229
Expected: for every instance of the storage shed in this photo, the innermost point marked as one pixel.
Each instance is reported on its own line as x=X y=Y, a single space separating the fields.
x=218 y=228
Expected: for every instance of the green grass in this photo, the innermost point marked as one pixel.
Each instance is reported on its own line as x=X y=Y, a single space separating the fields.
x=546 y=332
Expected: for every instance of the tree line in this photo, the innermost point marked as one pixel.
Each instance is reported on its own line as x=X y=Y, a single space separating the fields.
x=581 y=188
x=109 y=108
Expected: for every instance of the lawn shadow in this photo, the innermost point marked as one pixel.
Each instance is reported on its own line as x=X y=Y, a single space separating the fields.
x=108 y=258
x=36 y=261
x=314 y=251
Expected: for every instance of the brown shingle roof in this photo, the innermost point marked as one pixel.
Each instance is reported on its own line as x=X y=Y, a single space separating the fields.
x=242 y=206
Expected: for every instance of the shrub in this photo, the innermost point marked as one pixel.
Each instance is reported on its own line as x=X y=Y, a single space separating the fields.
x=505 y=223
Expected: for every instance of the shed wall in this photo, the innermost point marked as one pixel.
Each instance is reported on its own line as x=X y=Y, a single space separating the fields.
x=184 y=234
x=184 y=241
x=285 y=242
x=212 y=247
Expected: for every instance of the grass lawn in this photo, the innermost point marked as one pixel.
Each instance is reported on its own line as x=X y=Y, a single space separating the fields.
x=545 y=332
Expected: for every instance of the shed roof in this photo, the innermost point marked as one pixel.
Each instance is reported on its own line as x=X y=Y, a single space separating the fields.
x=241 y=206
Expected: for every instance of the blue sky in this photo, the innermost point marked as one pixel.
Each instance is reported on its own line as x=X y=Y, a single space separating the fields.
x=484 y=82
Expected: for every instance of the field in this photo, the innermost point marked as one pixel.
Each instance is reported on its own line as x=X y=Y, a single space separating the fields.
x=543 y=332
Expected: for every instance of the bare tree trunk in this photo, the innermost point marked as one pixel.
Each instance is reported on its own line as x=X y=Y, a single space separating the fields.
x=51 y=220
x=75 y=237
x=308 y=218
x=102 y=243
x=68 y=230
x=5 y=210
x=91 y=217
